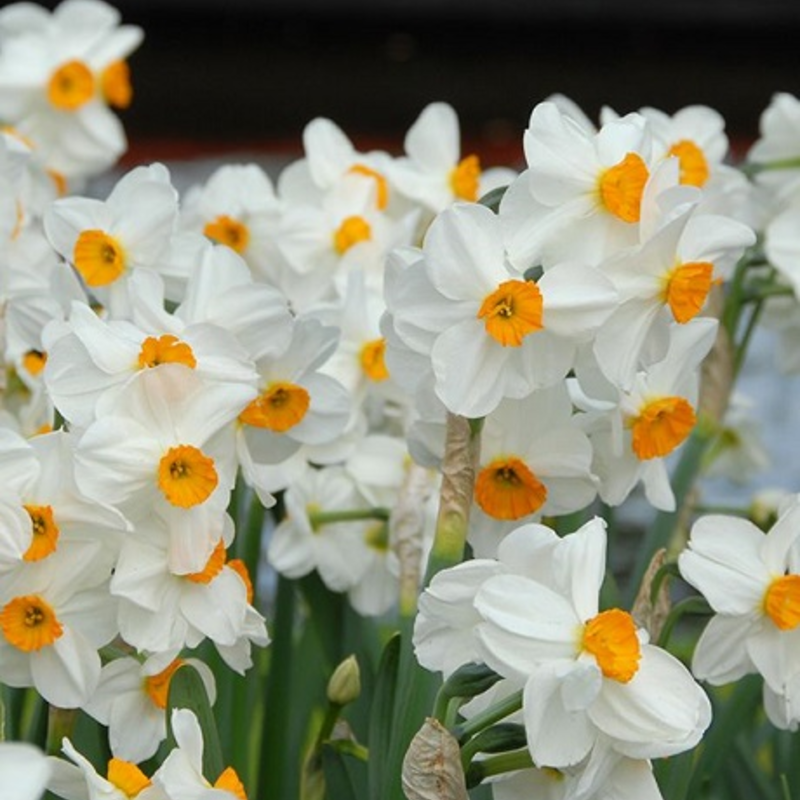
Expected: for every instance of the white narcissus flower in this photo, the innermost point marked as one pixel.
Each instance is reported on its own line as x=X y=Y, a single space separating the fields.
x=54 y=617
x=590 y=677
x=667 y=275
x=80 y=781
x=164 y=610
x=237 y=207
x=651 y=420
x=24 y=771
x=38 y=478
x=534 y=460
x=752 y=581
x=60 y=74
x=89 y=357
x=296 y=404
x=619 y=779
x=433 y=172
x=301 y=543
x=107 y=240
x=494 y=333
x=178 y=457
x=181 y=774
x=580 y=198
x=130 y=700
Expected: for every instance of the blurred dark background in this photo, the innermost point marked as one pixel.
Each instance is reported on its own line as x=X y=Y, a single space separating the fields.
x=217 y=74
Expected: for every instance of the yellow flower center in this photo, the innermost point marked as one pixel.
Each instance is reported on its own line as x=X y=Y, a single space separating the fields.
x=45 y=533
x=621 y=187
x=661 y=426
x=213 y=567
x=240 y=568
x=382 y=195
x=70 y=86
x=279 y=408
x=98 y=257
x=29 y=623
x=127 y=777
x=352 y=231
x=229 y=231
x=693 y=164
x=157 y=686
x=512 y=311
x=782 y=602
x=611 y=638
x=686 y=288
x=465 y=179
x=115 y=83
x=34 y=361
x=372 y=360
x=229 y=781
x=507 y=489
x=186 y=476
x=166 y=349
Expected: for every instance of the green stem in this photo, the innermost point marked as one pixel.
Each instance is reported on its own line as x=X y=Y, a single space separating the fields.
x=500 y=710
x=319 y=518
x=731 y=511
x=60 y=724
x=498 y=765
x=691 y=605
x=754 y=168
x=348 y=747
x=332 y=713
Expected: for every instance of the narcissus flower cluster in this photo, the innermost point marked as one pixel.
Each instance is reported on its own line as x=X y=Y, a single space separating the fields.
x=176 y=363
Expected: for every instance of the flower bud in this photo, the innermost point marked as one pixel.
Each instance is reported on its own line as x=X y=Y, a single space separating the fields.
x=345 y=684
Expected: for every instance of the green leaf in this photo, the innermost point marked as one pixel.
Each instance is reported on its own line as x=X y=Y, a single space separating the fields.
x=381 y=719
x=186 y=690
x=338 y=783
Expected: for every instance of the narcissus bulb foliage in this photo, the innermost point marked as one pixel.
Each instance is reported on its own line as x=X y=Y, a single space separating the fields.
x=496 y=333
x=752 y=581
x=61 y=74
x=590 y=676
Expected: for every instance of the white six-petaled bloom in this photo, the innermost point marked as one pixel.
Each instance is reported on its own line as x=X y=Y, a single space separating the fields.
x=752 y=581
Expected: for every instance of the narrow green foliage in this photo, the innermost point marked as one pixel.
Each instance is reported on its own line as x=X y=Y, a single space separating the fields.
x=186 y=690
x=381 y=718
